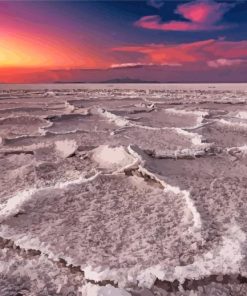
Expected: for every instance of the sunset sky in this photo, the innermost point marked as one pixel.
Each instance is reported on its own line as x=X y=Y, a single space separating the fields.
x=91 y=41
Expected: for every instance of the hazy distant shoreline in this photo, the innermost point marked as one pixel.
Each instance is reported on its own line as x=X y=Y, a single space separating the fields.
x=151 y=86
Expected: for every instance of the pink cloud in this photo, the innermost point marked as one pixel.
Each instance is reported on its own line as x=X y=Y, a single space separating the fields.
x=129 y=65
x=224 y=63
x=195 y=52
x=141 y=65
x=200 y=15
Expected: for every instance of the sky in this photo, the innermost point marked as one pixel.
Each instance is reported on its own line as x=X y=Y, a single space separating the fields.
x=94 y=41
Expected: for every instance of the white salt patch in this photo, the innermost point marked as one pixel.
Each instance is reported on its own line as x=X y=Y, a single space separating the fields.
x=135 y=154
x=15 y=202
x=69 y=107
x=108 y=290
x=118 y=120
x=114 y=158
x=42 y=130
x=241 y=114
x=233 y=124
x=66 y=148
x=122 y=276
x=49 y=94
x=61 y=185
x=196 y=139
x=242 y=149
x=64 y=132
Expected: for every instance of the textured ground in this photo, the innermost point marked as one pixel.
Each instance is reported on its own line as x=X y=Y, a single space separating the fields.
x=123 y=192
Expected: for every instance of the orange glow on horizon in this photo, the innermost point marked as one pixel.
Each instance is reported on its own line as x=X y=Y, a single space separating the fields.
x=20 y=50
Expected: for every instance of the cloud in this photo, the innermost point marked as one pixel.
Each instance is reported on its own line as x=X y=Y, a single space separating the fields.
x=171 y=64
x=156 y=3
x=129 y=65
x=225 y=63
x=195 y=52
x=141 y=65
x=200 y=15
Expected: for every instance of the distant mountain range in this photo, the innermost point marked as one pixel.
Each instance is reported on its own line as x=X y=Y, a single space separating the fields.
x=127 y=80
x=115 y=80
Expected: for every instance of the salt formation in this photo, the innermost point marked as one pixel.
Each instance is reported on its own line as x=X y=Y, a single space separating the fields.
x=113 y=158
x=123 y=191
x=66 y=148
x=120 y=204
x=108 y=290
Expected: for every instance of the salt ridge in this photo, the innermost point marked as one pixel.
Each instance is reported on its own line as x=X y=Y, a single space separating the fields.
x=196 y=139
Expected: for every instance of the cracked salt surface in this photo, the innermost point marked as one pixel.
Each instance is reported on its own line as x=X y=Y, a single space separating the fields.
x=17 y=126
x=32 y=275
x=170 y=117
x=123 y=192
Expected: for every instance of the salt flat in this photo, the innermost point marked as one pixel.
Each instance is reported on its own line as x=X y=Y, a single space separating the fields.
x=123 y=190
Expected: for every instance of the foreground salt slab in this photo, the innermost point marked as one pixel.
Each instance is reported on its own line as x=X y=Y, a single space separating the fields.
x=114 y=223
